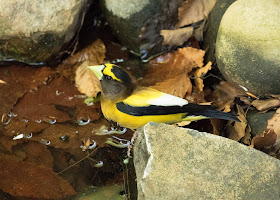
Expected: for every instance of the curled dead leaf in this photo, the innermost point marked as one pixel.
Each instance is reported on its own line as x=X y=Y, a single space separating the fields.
x=267 y=139
x=265 y=105
x=192 y=11
x=176 y=37
x=238 y=130
x=198 y=76
x=224 y=95
x=87 y=83
x=169 y=72
x=21 y=179
x=94 y=54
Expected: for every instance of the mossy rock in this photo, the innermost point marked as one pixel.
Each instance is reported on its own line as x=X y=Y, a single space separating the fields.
x=248 y=45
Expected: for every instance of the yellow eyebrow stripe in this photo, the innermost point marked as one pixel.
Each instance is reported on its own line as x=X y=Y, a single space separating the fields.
x=108 y=71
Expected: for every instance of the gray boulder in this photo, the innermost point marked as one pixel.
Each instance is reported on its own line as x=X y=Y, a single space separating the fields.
x=127 y=17
x=33 y=31
x=248 y=45
x=177 y=163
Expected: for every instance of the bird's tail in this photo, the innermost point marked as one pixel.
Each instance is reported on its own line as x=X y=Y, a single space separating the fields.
x=220 y=115
x=209 y=112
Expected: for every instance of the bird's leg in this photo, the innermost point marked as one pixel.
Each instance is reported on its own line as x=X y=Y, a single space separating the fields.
x=114 y=130
x=117 y=142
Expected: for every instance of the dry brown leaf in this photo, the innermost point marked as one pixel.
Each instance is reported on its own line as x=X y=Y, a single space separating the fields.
x=178 y=86
x=270 y=138
x=238 y=130
x=274 y=123
x=176 y=37
x=200 y=72
x=17 y=84
x=20 y=126
x=169 y=72
x=192 y=11
x=24 y=179
x=224 y=95
x=41 y=105
x=264 y=105
x=218 y=126
x=36 y=153
x=247 y=138
x=94 y=54
x=7 y=143
x=267 y=139
x=86 y=81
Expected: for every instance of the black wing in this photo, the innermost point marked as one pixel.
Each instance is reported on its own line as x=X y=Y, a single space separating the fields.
x=189 y=109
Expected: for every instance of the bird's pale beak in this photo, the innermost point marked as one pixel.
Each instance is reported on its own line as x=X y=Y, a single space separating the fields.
x=97 y=70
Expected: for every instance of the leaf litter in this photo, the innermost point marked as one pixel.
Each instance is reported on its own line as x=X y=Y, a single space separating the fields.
x=48 y=110
x=171 y=73
x=175 y=27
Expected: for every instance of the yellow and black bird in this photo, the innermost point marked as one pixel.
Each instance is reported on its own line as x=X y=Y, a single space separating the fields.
x=132 y=106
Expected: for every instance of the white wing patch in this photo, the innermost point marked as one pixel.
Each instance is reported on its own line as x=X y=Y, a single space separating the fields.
x=168 y=100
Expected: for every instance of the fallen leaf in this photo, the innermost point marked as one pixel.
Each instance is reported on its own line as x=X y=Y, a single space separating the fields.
x=41 y=105
x=224 y=95
x=247 y=137
x=150 y=37
x=7 y=143
x=199 y=73
x=37 y=153
x=218 y=126
x=265 y=105
x=192 y=16
x=274 y=123
x=192 y=11
x=179 y=86
x=21 y=126
x=267 y=139
x=169 y=72
x=24 y=179
x=238 y=130
x=176 y=37
x=86 y=81
x=198 y=32
x=16 y=83
x=94 y=54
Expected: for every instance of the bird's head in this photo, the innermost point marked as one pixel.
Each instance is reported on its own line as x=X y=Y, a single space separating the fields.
x=115 y=82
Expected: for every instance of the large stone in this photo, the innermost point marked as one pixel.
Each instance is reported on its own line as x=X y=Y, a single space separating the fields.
x=177 y=163
x=33 y=31
x=213 y=23
x=248 y=45
x=127 y=17
x=258 y=121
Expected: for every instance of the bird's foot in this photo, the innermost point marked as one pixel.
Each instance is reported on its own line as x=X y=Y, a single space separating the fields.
x=118 y=142
x=104 y=131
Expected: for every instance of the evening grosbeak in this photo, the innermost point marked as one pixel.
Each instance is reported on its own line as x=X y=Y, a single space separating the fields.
x=133 y=106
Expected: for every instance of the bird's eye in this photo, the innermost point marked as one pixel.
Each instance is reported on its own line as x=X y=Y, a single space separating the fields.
x=108 y=78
